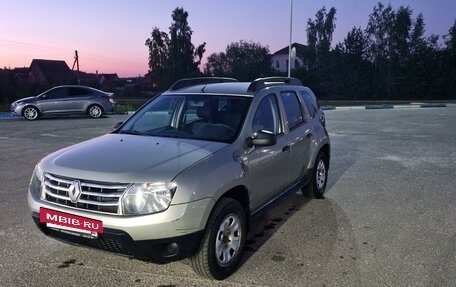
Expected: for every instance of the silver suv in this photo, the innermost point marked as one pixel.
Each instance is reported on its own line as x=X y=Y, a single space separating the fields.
x=183 y=175
x=65 y=100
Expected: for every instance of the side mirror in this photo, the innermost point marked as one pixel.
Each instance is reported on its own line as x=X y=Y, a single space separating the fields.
x=117 y=125
x=262 y=138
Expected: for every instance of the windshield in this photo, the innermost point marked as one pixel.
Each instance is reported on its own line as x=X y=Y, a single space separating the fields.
x=204 y=117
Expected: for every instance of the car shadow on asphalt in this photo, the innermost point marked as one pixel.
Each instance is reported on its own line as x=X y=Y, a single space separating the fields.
x=265 y=225
x=309 y=236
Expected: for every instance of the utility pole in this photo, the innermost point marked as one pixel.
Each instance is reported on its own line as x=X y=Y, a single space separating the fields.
x=289 y=47
x=76 y=62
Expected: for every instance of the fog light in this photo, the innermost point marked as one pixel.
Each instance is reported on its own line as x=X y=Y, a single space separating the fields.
x=171 y=250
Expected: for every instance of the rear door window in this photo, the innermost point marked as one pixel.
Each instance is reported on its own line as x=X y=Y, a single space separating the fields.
x=310 y=103
x=292 y=109
x=78 y=92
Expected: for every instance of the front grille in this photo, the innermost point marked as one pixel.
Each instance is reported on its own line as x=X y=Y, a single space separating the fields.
x=100 y=197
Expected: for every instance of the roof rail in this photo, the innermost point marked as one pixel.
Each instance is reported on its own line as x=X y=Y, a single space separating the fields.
x=199 y=81
x=261 y=83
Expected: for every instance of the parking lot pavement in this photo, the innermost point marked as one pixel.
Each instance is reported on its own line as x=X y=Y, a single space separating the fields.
x=388 y=218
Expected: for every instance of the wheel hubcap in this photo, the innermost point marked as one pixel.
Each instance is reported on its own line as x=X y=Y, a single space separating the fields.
x=228 y=240
x=321 y=174
x=30 y=113
x=95 y=112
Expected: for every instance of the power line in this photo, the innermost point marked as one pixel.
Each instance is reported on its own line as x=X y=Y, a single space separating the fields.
x=86 y=55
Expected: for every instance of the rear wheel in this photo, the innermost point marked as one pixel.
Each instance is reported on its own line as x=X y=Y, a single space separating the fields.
x=317 y=185
x=30 y=113
x=223 y=241
x=95 y=111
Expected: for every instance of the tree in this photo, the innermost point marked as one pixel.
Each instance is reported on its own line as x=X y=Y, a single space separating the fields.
x=449 y=60
x=355 y=44
x=241 y=60
x=217 y=64
x=158 y=57
x=320 y=32
x=173 y=56
x=352 y=78
x=451 y=41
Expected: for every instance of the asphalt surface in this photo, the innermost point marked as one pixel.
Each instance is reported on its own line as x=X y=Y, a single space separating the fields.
x=388 y=218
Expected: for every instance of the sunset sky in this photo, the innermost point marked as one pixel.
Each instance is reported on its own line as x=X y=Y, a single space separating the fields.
x=110 y=34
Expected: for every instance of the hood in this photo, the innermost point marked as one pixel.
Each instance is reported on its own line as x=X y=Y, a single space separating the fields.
x=128 y=158
x=25 y=100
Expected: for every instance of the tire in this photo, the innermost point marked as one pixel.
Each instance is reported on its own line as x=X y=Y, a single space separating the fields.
x=223 y=241
x=95 y=111
x=317 y=185
x=30 y=113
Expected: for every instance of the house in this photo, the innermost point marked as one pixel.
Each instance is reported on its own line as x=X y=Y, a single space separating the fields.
x=21 y=74
x=104 y=79
x=51 y=72
x=279 y=59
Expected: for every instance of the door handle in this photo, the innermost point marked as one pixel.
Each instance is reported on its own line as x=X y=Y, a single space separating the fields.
x=286 y=148
x=309 y=134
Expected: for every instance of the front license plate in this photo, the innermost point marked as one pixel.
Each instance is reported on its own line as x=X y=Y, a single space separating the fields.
x=73 y=224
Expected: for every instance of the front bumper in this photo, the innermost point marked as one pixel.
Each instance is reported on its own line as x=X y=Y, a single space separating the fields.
x=16 y=110
x=161 y=237
x=112 y=240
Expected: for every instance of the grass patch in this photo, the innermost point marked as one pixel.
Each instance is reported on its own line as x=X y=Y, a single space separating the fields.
x=327 y=108
x=124 y=108
x=379 y=107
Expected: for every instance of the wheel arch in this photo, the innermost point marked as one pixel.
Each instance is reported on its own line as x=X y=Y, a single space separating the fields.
x=30 y=105
x=94 y=104
x=326 y=150
x=240 y=194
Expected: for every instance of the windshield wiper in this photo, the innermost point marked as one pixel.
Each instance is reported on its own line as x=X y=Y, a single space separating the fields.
x=131 y=132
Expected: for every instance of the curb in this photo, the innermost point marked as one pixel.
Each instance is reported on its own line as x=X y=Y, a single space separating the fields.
x=6 y=116
x=383 y=107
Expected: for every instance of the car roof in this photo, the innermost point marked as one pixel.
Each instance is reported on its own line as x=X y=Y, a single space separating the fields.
x=232 y=88
x=228 y=86
x=79 y=86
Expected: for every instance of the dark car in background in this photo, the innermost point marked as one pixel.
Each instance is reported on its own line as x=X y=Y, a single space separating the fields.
x=69 y=99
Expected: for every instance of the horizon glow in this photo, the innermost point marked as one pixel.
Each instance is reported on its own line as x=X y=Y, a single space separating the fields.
x=110 y=35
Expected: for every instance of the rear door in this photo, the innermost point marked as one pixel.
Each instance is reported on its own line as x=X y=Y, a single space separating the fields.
x=299 y=135
x=78 y=99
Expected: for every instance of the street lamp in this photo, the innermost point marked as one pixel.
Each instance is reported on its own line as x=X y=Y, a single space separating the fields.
x=291 y=30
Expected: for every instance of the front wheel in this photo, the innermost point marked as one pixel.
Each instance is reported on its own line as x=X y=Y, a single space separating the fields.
x=223 y=241
x=30 y=113
x=319 y=177
x=95 y=111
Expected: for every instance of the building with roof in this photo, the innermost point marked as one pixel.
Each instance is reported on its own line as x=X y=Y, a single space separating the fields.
x=279 y=59
x=53 y=72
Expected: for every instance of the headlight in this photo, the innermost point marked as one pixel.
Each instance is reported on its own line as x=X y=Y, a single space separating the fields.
x=146 y=198
x=37 y=180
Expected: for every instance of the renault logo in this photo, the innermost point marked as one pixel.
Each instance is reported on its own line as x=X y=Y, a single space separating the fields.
x=74 y=191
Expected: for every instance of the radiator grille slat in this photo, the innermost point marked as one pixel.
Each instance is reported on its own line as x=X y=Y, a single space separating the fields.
x=94 y=196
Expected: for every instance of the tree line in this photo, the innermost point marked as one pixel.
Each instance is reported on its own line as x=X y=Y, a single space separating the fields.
x=390 y=59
